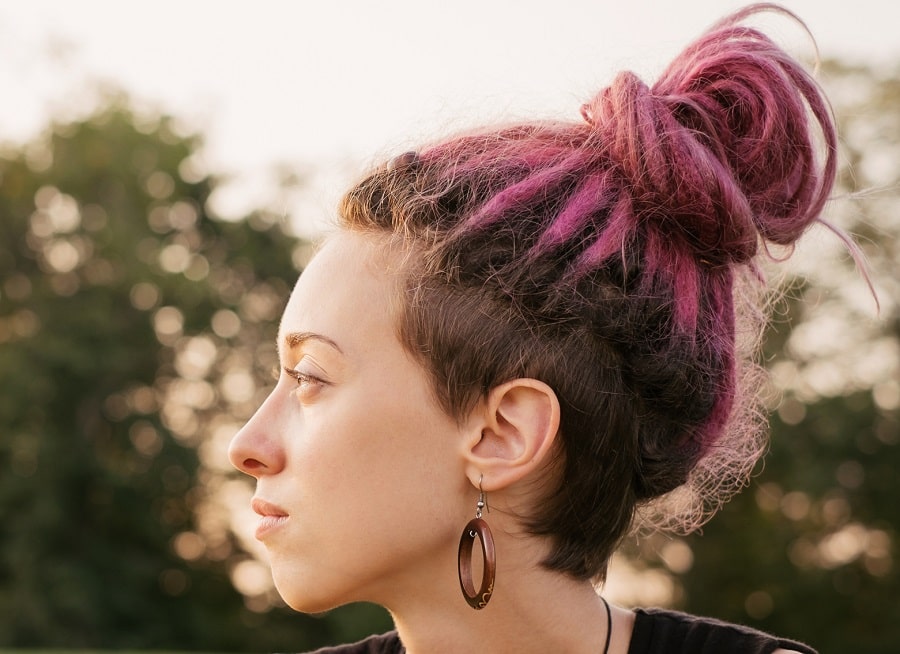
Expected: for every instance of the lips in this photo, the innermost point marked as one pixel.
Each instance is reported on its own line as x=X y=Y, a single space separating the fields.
x=271 y=518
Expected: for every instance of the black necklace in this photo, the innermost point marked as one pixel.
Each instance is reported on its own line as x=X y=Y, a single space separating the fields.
x=608 y=625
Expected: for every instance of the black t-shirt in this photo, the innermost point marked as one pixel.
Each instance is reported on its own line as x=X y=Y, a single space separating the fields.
x=656 y=631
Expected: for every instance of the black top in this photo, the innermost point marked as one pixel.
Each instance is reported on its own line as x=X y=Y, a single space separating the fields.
x=668 y=632
x=388 y=643
x=656 y=631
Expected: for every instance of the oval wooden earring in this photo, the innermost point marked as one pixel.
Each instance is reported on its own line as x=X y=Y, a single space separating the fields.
x=477 y=528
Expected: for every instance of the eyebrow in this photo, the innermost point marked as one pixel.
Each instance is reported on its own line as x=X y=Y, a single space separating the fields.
x=295 y=339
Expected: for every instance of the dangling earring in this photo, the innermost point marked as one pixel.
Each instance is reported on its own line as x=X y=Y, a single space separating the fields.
x=477 y=528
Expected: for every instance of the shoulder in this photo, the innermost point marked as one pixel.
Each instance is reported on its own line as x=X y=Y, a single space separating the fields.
x=658 y=631
x=388 y=643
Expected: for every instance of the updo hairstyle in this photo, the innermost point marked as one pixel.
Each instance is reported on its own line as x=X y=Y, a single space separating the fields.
x=609 y=257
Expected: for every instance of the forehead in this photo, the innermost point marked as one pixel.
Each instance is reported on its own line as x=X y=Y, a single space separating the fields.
x=347 y=293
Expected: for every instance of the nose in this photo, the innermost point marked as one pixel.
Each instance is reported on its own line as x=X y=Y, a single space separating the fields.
x=256 y=449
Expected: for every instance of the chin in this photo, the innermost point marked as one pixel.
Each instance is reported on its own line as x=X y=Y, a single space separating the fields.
x=305 y=596
x=306 y=604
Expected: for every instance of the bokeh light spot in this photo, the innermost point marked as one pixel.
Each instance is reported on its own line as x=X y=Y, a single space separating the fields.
x=144 y=296
x=759 y=605
x=159 y=185
x=189 y=546
x=226 y=323
x=168 y=323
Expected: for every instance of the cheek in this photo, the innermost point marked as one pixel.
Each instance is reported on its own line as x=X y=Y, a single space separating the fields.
x=383 y=447
x=346 y=442
x=403 y=423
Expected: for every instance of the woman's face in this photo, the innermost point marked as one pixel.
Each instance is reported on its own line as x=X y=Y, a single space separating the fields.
x=360 y=474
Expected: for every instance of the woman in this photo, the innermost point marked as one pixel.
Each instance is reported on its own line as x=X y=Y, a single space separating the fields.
x=525 y=341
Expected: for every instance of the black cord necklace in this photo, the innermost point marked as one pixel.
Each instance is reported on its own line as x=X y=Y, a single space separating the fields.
x=608 y=625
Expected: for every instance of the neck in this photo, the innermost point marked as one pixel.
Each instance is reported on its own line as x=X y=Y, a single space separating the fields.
x=518 y=618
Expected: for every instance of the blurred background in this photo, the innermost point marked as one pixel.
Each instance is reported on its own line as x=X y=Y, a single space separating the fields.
x=164 y=171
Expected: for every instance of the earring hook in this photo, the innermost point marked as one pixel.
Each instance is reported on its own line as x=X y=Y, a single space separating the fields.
x=482 y=503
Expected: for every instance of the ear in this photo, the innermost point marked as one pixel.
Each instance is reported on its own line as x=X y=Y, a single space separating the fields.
x=519 y=423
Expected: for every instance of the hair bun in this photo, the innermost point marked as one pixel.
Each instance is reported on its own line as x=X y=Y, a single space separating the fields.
x=720 y=149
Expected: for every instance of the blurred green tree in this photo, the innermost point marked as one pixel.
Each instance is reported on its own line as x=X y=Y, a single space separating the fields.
x=810 y=549
x=133 y=329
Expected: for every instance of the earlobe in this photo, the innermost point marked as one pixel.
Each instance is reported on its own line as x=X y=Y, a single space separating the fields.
x=520 y=421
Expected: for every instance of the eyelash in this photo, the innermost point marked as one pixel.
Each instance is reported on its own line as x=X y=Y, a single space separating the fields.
x=302 y=378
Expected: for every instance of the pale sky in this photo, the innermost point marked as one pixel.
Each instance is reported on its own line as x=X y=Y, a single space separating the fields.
x=334 y=84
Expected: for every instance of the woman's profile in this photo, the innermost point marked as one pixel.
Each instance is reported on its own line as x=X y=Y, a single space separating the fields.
x=523 y=342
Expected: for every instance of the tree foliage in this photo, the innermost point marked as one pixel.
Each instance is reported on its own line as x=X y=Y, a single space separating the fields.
x=133 y=327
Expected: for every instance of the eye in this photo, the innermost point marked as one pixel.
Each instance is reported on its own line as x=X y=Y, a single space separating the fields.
x=304 y=380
